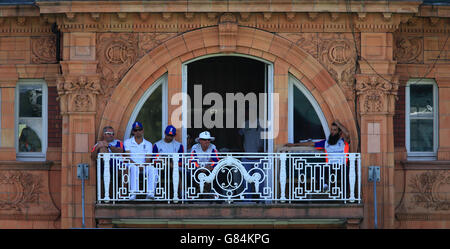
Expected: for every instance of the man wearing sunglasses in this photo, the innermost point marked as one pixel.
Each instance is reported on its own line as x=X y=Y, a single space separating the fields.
x=108 y=144
x=139 y=148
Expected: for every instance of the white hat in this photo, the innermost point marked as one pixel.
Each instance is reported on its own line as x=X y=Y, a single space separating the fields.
x=204 y=135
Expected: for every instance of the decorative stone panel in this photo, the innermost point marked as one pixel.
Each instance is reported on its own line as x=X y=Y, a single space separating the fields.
x=43 y=50
x=77 y=93
x=337 y=52
x=376 y=93
x=228 y=28
x=25 y=192
x=429 y=190
x=408 y=49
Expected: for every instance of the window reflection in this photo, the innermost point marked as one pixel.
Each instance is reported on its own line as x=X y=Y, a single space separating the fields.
x=150 y=116
x=30 y=101
x=421 y=118
x=30 y=118
x=29 y=141
x=307 y=124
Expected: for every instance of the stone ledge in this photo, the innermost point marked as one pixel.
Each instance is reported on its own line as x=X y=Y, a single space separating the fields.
x=229 y=211
x=424 y=165
x=22 y=165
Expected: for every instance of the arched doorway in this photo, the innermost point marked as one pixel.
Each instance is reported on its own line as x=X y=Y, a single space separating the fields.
x=225 y=92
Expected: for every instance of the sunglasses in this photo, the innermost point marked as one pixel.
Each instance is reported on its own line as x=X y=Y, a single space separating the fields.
x=109 y=133
x=137 y=129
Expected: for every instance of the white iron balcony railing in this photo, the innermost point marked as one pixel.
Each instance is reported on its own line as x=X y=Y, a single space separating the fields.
x=234 y=177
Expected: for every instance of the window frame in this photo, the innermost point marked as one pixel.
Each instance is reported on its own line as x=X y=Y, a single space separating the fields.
x=32 y=156
x=422 y=155
x=162 y=81
x=294 y=82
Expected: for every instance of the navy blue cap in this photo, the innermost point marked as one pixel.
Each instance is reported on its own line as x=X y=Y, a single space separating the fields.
x=137 y=125
x=170 y=130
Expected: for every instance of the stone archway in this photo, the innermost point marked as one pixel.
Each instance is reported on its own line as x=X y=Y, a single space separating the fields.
x=228 y=37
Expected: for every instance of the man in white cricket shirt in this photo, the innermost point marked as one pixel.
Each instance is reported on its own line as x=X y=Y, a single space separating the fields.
x=139 y=148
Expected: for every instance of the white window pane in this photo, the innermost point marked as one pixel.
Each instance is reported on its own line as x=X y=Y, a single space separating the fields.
x=421 y=135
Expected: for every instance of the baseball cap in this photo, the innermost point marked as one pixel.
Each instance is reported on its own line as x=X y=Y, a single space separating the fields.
x=137 y=125
x=170 y=130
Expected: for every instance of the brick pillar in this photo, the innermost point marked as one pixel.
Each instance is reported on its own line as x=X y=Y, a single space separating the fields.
x=7 y=99
x=78 y=87
x=444 y=118
x=377 y=88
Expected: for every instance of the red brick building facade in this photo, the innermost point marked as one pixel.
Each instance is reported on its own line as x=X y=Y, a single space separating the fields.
x=364 y=63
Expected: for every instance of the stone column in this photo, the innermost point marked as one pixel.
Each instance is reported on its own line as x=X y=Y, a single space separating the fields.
x=78 y=87
x=376 y=88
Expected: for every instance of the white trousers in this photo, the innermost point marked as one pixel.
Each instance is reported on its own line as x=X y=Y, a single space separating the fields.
x=151 y=178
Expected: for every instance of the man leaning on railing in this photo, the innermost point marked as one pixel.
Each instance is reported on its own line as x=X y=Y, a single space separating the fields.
x=204 y=155
x=337 y=142
x=108 y=144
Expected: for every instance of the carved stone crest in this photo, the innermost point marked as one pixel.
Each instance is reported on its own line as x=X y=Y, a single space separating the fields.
x=338 y=54
x=43 y=50
x=18 y=189
x=116 y=53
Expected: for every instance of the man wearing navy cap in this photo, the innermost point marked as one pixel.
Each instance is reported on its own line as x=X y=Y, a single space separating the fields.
x=139 y=148
x=168 y=144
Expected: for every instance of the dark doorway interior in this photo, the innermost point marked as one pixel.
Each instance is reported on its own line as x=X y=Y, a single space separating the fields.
x=224 y=74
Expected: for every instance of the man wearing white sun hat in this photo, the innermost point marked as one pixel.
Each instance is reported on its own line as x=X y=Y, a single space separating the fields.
x=204 y=154
x=204 y=145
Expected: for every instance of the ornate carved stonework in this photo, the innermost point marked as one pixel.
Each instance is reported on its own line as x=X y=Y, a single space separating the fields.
x=376 y=94
x=306 y=41
x=43 y=50
x=408 y=49
x=338 y=54
x=116 y=53
x=430 y=190
x=18 y=190
x=148 y=41
x=78 y=93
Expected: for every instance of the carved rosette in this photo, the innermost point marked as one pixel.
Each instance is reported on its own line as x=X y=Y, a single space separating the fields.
x=43 y=50
x=338 y=54
x=376 y=94
x=78 y=93
x=228 y=28
x=18 y=190
x=408 y=49
x=430 y=190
